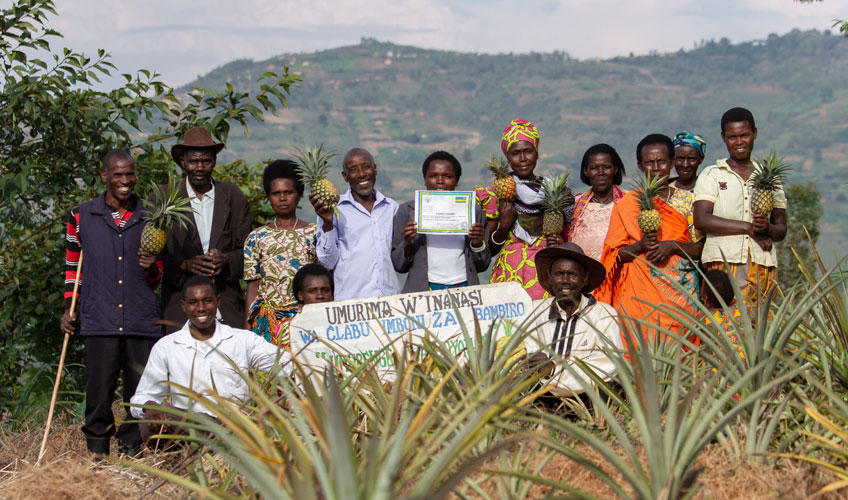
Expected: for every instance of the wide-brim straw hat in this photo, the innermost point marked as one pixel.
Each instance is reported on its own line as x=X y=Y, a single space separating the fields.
x=596 y=271
x=195 y=138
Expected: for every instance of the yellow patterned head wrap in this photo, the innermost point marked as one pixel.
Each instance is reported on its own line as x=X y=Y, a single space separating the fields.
x=519 y=129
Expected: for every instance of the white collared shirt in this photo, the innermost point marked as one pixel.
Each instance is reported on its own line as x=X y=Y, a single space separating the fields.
x=183 y=360
x=584 y=335
x=203 y=207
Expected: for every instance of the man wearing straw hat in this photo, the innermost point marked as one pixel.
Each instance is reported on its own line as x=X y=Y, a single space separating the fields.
x=212 y=244
x=574 y=325
x=118 y=312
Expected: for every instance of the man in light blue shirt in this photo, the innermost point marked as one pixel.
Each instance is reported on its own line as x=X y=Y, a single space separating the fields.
x=357 y=244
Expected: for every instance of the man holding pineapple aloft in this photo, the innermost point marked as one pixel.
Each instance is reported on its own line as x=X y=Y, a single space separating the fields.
x=118 y=312
x=651 y=245
x=212 y=243
x=741 y=207
x=355 y=235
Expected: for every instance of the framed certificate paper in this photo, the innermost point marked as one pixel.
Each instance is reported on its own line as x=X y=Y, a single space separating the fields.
x=444 y=212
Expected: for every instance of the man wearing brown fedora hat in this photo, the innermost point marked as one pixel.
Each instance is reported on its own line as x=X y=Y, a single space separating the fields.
x=213 y=243
x=576 y=325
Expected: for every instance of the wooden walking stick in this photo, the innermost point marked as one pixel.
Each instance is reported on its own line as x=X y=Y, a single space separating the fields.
x=61 y=365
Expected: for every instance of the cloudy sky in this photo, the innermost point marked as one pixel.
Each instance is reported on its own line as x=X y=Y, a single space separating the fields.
x=185 y=38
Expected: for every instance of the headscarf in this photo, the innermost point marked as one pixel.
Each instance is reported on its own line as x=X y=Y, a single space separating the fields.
x=689 y=139
x=519 y=129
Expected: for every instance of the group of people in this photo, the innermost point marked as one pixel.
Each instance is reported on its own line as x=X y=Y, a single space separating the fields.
x=600 y=267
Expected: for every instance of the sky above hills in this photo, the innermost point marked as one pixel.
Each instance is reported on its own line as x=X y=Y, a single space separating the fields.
x=184 y=39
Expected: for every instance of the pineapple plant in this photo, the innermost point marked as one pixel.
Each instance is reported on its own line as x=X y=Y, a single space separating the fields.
x=769 y=174
x=504 y=185
x=556 y=197
x=165 y=209
x=647 y=189
x=313 y=166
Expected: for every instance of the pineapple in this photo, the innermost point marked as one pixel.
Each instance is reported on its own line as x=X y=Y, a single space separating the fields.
x=165 y=209
x=314 y=164
x=556 y=197
x=768 y=175
x=504 y=185
x=647 y=189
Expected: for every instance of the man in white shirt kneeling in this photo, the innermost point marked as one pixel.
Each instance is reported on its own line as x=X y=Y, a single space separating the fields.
x=573 y=325
x=203 y=357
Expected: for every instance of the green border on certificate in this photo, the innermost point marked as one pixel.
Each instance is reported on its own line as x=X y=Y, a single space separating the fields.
x=455 y=213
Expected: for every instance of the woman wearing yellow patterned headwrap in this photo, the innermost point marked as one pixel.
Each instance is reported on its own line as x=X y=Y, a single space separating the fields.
x=516 y=226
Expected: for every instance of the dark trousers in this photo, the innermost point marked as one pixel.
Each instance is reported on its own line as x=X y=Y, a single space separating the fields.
x=105 y=358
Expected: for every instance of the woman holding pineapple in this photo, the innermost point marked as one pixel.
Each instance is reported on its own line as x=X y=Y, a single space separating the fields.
x=273 y=253
x=741 y=207
x=650 y=248
x=603 y=170
x=522 y=219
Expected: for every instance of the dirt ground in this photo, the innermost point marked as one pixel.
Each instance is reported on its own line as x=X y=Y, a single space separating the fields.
x=719 y=479
x=69 y=472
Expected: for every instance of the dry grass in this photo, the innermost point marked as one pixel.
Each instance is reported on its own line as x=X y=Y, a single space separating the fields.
x=68 y=470
x=720 y=479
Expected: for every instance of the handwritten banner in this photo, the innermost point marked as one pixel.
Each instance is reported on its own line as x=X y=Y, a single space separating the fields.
x=360 y=328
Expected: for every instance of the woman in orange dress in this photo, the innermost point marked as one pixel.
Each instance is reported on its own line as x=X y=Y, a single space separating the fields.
x=633 y=287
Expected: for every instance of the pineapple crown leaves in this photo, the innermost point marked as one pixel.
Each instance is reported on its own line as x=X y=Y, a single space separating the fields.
x=556 y=196
x=498 y=166
x=770 y=172
x=647 y=188
x=165 y=206
x=313 y=163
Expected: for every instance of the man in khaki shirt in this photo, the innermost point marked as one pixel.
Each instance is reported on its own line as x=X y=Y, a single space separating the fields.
x=722 y=210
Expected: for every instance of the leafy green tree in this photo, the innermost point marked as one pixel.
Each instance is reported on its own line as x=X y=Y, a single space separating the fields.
x=802 y=216
x=54 y=128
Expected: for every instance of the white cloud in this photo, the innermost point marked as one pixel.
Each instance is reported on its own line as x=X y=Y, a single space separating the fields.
x=184 y=39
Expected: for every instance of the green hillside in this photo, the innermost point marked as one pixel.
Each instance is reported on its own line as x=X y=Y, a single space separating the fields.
x=403 y=102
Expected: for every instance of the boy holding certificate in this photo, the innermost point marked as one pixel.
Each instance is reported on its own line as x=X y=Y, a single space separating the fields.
x=438 y=261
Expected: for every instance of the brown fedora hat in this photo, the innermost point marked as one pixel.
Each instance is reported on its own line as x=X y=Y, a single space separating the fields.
x=195 y=138
x=547 y=256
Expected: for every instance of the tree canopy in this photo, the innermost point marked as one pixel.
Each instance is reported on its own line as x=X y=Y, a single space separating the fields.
x=55 y=126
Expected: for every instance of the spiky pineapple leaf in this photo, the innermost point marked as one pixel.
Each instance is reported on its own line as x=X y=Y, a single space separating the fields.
x=498 y=166
x=166 y=208
x=556 y=196
x=647 y=188
x=769 y=172
x=313 y=162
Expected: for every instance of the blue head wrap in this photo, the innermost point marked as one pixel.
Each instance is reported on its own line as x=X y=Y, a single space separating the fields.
x=689 y=139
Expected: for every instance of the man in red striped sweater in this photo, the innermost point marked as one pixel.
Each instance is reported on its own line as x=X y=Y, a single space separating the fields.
x=118 y=312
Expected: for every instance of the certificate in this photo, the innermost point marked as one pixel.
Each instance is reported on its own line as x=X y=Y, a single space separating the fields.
x=444 y=212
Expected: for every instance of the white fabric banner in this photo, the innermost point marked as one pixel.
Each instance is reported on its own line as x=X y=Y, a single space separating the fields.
x=359 y=328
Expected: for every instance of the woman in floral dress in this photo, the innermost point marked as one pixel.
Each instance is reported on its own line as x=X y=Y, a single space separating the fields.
x=515 y=227
x=273 y=253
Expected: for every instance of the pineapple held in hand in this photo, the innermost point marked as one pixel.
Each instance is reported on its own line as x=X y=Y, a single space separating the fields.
x=504 y=185
x=314 y=164
x=166 y=209
x=768 y=175
x=647 y=189
x=556 y=197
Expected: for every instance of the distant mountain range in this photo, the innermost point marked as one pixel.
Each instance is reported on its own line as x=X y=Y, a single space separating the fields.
x=403 y=102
